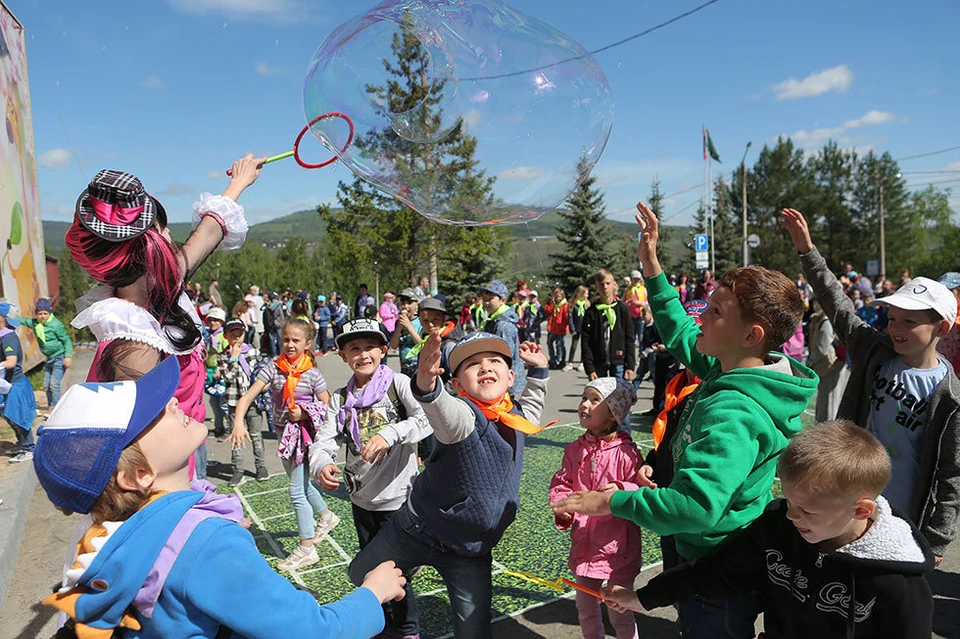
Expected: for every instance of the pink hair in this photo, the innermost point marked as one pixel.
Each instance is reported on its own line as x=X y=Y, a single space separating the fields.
x=120 y=264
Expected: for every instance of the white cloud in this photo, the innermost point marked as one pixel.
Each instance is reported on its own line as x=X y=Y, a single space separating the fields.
x=55 y=211
x=213 y=175
x=177 y=189
x=818 y=137
x=55 y=159
x=642 y=173
x=521 y=173
x=264 y=69
x=275 y=10
x=152 y=82
x=835 y=79
x=471 y=118
x=953 y=166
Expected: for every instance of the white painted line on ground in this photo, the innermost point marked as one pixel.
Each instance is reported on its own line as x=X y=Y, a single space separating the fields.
x=270 y=540
x=262 y=492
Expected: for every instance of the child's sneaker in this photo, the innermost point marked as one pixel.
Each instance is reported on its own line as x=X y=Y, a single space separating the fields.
x=298 y=559
x=24 y=456
x=324 y=526
x=236 y=479
x=262 y=474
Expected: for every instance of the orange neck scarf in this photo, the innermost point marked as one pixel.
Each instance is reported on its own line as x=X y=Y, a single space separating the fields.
x=500 y=412
x=674 y=393
x=293 y=371
x=67 y=601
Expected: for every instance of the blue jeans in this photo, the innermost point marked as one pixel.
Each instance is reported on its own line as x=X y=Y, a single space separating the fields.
x=52 y=379
x=200 y=459
x=274 y=334
x=307 y=501
x=706 y=618
x=556 y=345
x=219 y=409
x=406 y=541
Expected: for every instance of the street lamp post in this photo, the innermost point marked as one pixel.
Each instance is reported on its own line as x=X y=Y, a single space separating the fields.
x=743 y=178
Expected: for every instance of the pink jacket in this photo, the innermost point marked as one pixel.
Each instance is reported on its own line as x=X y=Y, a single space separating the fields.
x=600 y=547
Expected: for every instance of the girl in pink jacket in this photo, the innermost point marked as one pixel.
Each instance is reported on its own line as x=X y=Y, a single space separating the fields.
x=604 y=548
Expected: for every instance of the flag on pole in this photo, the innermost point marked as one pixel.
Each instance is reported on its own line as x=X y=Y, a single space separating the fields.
x=709 y=148
x=704 y=129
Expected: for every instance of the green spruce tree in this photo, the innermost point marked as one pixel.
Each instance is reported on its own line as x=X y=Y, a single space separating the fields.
x=586 y=236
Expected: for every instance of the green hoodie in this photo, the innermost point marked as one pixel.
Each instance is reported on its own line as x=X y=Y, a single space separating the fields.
x=730 y=435
x=56 y=340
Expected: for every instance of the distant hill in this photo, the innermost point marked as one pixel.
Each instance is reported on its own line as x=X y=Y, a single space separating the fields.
x=309 y=225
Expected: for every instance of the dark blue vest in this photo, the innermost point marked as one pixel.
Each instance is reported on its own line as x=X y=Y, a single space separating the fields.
x=469 y=492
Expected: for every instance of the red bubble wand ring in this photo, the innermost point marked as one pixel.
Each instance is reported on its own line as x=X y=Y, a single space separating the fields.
x=295 y=153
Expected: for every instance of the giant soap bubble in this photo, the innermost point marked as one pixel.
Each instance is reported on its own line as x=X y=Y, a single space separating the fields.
x=423 y=80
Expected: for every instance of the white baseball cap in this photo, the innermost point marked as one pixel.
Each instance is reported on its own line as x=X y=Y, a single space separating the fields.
x=922 y=293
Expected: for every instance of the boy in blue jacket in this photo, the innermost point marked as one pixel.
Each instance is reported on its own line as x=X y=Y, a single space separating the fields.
x=165 y=558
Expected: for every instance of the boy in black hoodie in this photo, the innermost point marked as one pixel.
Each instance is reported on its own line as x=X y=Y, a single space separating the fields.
x=831 y=559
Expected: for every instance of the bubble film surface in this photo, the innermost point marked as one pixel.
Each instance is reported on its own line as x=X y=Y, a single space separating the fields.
x=421 y=79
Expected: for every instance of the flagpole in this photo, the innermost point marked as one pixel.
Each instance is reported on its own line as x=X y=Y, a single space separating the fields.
x=713 y=263
x=706 y=181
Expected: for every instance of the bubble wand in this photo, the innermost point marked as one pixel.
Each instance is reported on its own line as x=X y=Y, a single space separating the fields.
x=295 y=152
x=556 y=584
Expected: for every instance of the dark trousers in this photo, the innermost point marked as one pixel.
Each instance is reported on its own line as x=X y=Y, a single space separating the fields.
x=403 y=615
x=708 y=618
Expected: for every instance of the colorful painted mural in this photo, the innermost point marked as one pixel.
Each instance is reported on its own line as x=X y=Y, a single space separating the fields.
x=23 y=275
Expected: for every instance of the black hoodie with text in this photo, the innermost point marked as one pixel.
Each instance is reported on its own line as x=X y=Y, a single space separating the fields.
x=871 y=587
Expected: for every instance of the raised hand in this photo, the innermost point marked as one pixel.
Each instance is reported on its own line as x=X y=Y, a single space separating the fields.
x=647 y=244
x=796 y=225
x=429 y=364
x=532 y=355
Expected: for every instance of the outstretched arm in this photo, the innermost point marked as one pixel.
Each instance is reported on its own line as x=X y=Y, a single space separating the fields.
x=209 y=233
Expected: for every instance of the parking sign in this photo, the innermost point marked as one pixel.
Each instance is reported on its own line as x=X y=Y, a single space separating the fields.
x=701 y=242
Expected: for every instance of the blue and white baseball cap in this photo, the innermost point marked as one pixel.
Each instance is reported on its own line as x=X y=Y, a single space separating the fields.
x=80 y=444
x=11 y=312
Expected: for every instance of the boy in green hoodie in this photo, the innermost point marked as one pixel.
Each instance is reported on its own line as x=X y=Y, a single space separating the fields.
x=56 y=346
x=732 y=430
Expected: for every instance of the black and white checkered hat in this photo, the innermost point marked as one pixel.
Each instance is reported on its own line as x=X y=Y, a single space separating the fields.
x=116 y=207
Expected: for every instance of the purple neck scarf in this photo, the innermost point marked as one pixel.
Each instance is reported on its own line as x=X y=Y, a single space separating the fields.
x=372 y=392
x=210 y=505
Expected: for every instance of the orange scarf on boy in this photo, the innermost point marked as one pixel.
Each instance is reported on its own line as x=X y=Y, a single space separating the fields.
x=293 y=371
x=500 y=412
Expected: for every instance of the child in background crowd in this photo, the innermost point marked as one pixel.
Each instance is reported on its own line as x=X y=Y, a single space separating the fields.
x=389 y=314
x=376 y=417
x=578 y=309
x=830 y=560
x=56 y=346
x=164 y=557
x=19 y=406
x=740 y=418
x=468 y=492
x=215 y=388
x=608 y=332
x=601 y=548
x=899 y=389
x=502 y=321
x=558 y=323
x=322 y=316
x=300 y=399
x=407 y=335
x=235 y=363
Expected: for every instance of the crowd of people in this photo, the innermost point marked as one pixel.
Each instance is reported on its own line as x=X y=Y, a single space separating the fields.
x=434 y=452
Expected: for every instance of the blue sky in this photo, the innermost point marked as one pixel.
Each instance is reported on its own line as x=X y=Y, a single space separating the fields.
x=174 y=90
